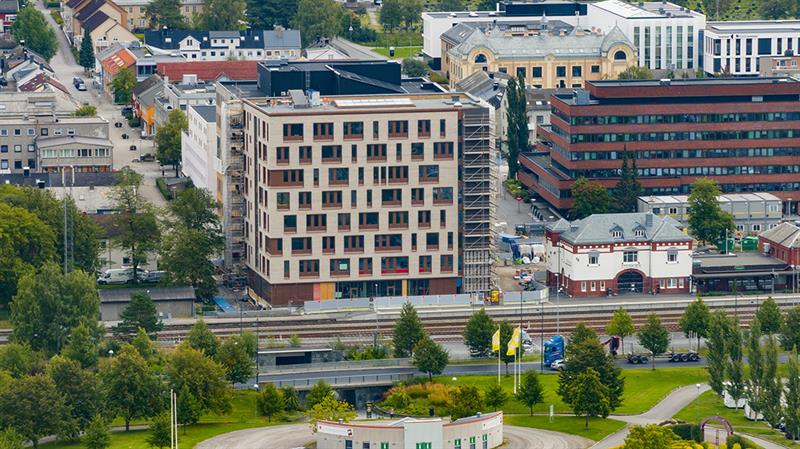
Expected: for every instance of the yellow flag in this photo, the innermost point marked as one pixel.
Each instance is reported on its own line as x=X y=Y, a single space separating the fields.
x=496 y=341
x=513 y=343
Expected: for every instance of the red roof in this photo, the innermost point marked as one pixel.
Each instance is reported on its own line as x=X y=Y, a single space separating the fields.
x=118 y=62
x=209 y=70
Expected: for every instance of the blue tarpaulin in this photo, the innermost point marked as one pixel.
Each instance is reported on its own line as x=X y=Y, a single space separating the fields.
x=223 y=304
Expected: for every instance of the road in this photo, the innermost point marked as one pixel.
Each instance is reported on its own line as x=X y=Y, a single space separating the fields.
x=66 y=68
x=298 y=435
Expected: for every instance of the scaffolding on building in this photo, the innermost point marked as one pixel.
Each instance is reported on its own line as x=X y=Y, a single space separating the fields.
x=477 y=197
x=232 y=150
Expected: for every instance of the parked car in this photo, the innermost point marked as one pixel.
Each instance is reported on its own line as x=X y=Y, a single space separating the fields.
x=127 y=110
x=79 y=83
x=118 y=125
x=152 y=276
x=147 y=157
x=116 y=276
x=133 y=147
x=557 y=365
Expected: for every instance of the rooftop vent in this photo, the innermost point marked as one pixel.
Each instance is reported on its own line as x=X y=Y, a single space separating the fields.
x=665 y=81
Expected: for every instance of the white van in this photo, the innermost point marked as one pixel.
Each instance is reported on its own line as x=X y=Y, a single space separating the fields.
x=116 y=276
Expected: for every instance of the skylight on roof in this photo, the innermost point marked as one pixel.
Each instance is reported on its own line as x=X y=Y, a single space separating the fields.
x=374 y=103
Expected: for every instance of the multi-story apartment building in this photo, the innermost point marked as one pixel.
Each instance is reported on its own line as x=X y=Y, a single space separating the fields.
x=371 y=195
x=771 y=66
x=255 y=45
x=743 y=133
x=198 y=161
x=665 y=36
x=137 y=11
x=39 y=134
x=609 y=254
x=736 y=47
x=434 y=24
x=752 y=212
x=545 y=59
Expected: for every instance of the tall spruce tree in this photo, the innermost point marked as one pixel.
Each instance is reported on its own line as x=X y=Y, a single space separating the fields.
x=517 y=120
x=628 y=188
x=86 y=58
x=407 y=332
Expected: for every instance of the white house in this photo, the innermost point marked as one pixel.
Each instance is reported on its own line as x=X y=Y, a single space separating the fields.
x=618 y=253
x=666 y=36
x=735 y=47
x=199 y=160
x=251 y=45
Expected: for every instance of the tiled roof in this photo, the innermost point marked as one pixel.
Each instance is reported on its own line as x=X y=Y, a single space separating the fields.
x=785 y=234
x=118 y=61
x=633 y=227
x=209 y=70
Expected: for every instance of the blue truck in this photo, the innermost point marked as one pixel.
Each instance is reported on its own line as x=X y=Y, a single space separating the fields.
x=554 y=349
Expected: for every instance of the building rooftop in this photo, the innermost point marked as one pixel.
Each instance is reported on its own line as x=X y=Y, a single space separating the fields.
x=209 y=70
x=573 y=45
x=785 y=234
x=490 y=87
x=9 y=6
x=15 y=104
x=209 y=113
x=298 y=103
x=727 y=198
x=118 y=61
x=94 y=21
x=646 y=10
x=517 y=9
x=461 y=31
x=754 y=26
x=90 y=200
x=157 y=293
x=171 y=39
x=631 y=228
x=693 y=82
x=59 y=141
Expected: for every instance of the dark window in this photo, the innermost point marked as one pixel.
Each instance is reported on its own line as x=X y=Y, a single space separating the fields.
x=290 y=223
x=619 y=56
x=536 y=72
x=331 y=153
x=428 y=173
x=368 y=220
x=375 y=130
x=328 y=244
x=432 y=240
x=304 y=200
x=425 y=264
x=417 y=150
x=397 y=265
x=316 y=222
x=340 y=267
x=323 y=131
x=424 y=219
x=442 y=194
x=443 y=150
x=423 y=128
x=301 y=245
x=442 y=127
x=309 y=267
x=561 y=71
x=417 y=196
x=577 y=70
x=304 y=154
x=344 y=222
x=354 y=243
x=282 y=155
x=521 y=73
x=376 y=152
x=764 y=46
x=595 y=69
x=332 y=199
x=398 y=128
x=338 y=176
x=398 y=219
x=446 y=263
x=389 y=242
x=353 y=130
x=293 y=131
x=365 y=265
x=391 y=196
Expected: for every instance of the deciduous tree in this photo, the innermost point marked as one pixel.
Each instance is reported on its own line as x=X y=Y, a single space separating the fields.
x=707 y=221
x=25 y=242
x=718 y=328
x=235 y=359
x=270 y=401
x=391 y=14
x=407 y=331
x=201 y=338
x=654 y=337
x=139 y=233
x=49 y=304
x=772 y=383
x=777 y=9
x=530 y=390
x=694 y=321
x=140 y=313
x=587 y=353
x=168 y=138
x=506 y=332
x=467 y=400
x=450 y=5
x=316 y=19
x=621 y=325
x=32 y=406
x=10 y=439
x=265 y=14
x=429 y=357
x=635 y=73
x=495 y=396
x=590 y=396
x=589 y=198
x=790 y=330
x=415 y=67
x=144 y=345
x=81 y=392
x=330 y=409
x=291 y=399
x=123 y=84
x=132 y=389
x=223 y=15
x=18 y=359
x=735 y=366
x=769 y=315
x=30 y=26
x=791 y=411
x=478 y=333
x=203 y=377
x=318 y=393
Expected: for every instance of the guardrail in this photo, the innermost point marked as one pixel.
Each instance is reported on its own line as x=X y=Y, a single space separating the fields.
x=344 y=381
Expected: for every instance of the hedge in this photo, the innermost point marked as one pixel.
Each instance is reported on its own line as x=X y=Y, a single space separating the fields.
x=743 y=442
x=162 y=187
x=687 y=432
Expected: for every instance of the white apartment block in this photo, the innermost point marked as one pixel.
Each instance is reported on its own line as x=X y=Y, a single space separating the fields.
x=199 y=158
x=666 y=36
x=735 y=47
x=359 y=196
x=617 y=254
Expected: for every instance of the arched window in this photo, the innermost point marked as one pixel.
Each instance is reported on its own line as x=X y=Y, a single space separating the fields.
x=620 y=56
x=480 y=59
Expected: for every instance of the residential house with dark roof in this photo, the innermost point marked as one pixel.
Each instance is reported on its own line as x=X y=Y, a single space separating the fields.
x=782 y=242
x=8 y=14
x=610 y=254
x=144 y=98
x=249 y=44
x=102 y=19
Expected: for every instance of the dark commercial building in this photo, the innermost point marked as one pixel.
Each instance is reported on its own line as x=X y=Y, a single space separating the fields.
x=744 y=133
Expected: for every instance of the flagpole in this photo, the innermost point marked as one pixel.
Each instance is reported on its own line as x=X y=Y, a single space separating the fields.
x=171 y=420
x=498 y=366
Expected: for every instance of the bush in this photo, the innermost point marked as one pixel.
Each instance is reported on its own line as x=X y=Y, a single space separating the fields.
x=688 y=431
x=57 y=16
x=367 y=352
x=414 y=67
x=134 y=122
x=398 y=400
x=162 y=187
x=743 y=442
x=438 y=78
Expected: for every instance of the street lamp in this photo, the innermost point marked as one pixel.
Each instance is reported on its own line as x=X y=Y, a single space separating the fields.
x=111 y=353
x=255 y=409
x=454 y=379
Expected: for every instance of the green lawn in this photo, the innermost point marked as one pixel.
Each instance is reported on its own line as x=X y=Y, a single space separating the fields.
x=574 y=425
x=399 y=52
x=643 y=388
x=243 y=416
x=708 y=404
